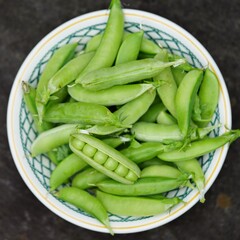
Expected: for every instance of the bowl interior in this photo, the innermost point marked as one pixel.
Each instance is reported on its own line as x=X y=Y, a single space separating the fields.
x=36 y=171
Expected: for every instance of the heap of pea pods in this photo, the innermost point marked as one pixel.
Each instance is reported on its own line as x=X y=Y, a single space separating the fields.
x=124 y=118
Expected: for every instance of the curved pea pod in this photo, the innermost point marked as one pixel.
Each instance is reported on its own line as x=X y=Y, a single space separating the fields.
x=135 y=206
x=59 y=58
x=88 y=178
x=167 y=90
x=143 y=186
x=155 y=132
x=160 y=171
x=66 y=169
x=85 y=201
x=104 y=158
x=79 y=112
x=200 y=147
x=69 y=72
x=193 y=167
x=208 y=97
x=117 y=95
x=133 y=110
x=124 y=73
x=148 y=150
x=52 y=138
x=185 y=97
x=130 y=47
x=152 y=113
x=110 y=42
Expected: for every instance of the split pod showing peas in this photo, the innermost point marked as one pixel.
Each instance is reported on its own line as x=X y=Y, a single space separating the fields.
x=104 y=158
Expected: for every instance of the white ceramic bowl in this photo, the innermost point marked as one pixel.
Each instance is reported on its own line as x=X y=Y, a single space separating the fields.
x=36 y=171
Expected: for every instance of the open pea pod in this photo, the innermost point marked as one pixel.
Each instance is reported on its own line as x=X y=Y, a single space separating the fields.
x=104 y=158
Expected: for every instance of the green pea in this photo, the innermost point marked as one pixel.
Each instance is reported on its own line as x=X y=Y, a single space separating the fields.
x=121 y=170
x=78 y=144
x=111 y=164
x=100 y=157
x=89 y=150
x=131 y=176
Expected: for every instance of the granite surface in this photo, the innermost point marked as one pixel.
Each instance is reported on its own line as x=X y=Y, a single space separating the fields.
x=216 y=24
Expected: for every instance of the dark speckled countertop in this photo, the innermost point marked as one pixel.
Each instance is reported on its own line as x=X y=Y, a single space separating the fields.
x=216 y=24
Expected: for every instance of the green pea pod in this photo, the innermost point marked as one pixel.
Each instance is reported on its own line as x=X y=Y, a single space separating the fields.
x=154 y=132
x=143 y=186
x=185 y=97
x=135 y=206
x=193 y=167
x=200 y=147
x=117 y=95
x=208 y=97
x=66 y=169
x=130 y=47
x=129 y=113
x=148 y=150
x=69 y=72
x=59 y=58
x=80 y=112
x=52 y=138
x=88 y=178
x=124 y=73
x=85 y=201
x=110 y=42
x=160 y=171
x=104 y=158
x=167 y=90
